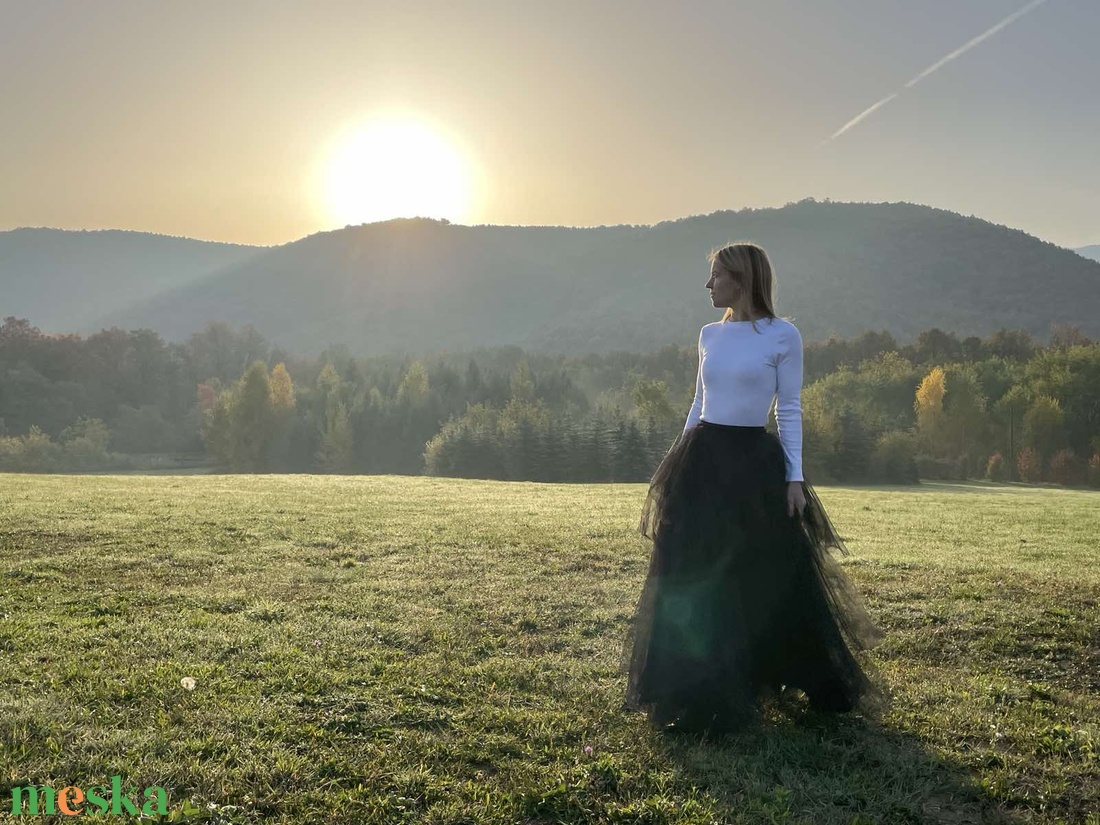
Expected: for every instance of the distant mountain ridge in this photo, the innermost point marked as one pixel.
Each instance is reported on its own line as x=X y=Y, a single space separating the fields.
x=419 y=285
x=64 y=279
x=1092 y=252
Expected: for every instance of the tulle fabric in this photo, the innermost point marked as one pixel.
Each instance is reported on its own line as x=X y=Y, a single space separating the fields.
x=742 y=600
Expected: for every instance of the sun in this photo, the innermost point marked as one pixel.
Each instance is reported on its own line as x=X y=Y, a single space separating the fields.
x=396 y=167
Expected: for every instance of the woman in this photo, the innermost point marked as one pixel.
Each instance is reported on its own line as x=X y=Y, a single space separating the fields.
x=741 y=599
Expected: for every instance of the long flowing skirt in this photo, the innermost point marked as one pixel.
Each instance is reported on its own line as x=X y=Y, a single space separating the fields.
x=742 y=600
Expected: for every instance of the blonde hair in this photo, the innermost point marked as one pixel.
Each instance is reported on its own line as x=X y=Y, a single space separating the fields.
x=748 y=265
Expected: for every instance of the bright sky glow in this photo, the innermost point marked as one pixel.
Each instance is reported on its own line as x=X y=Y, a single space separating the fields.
x=395 y=167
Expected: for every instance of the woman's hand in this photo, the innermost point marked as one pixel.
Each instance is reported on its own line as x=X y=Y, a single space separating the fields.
x=796 y=499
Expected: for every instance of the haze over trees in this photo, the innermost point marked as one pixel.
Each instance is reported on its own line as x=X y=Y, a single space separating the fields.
x=419 y=286
x=1004 y=407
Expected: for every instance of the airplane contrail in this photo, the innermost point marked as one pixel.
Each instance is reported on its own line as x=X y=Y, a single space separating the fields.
x=937 y=65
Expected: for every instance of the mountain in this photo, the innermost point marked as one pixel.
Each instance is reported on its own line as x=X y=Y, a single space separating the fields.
x=1092 y=252
x=63 y=280
x=418 y=285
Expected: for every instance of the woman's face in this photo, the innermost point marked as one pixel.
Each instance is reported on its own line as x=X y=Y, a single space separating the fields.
x=722 y=288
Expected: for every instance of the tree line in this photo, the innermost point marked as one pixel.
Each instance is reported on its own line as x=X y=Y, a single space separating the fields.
x=1004 y=407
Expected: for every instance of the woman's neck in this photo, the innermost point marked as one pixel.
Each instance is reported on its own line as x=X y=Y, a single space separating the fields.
x=746 y=317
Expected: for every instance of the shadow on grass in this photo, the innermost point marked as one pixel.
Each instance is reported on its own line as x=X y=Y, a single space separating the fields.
x=804 y=766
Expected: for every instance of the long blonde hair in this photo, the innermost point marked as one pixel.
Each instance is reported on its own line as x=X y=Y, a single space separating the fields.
x=748 y=265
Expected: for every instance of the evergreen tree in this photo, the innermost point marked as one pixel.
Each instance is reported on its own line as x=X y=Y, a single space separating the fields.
x=852 y=452
x=473 y=385
x=634 y=463
x=597 y=451
x=555 y=453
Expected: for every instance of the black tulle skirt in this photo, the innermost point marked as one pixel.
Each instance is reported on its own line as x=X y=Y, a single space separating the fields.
x=742 y=601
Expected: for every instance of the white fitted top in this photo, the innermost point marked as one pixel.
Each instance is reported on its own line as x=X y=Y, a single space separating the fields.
x=742 y=371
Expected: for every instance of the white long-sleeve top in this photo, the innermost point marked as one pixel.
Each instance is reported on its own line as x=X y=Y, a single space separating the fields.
x=742 y=371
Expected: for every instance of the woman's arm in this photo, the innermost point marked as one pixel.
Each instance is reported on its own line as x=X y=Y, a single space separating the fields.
x=697 y=405
x=788 y=407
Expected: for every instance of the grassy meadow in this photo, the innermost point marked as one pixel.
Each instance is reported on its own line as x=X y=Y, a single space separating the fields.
x=400 y=649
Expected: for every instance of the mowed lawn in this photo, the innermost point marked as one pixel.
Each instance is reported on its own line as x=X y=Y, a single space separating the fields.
x=399 y=649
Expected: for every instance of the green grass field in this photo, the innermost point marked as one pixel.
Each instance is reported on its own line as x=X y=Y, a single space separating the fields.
x=395 y=649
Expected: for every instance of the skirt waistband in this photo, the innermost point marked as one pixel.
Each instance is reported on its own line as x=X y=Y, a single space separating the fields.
x=743 y=427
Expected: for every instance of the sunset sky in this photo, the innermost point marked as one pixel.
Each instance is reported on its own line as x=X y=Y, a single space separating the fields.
x=262 y=122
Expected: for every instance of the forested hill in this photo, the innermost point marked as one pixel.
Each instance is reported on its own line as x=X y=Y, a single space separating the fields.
x=417 y=286
x=65 y=280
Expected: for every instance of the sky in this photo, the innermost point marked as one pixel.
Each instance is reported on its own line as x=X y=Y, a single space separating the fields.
x=224 y=121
